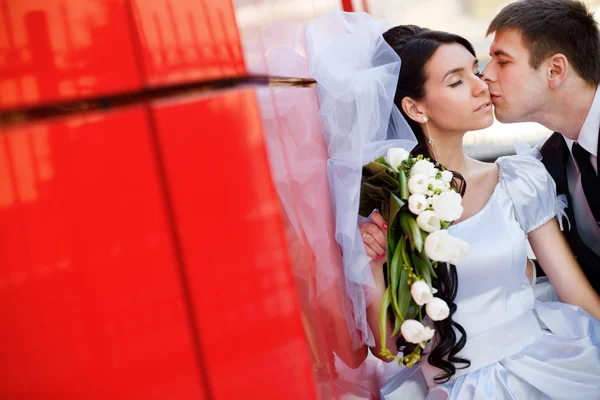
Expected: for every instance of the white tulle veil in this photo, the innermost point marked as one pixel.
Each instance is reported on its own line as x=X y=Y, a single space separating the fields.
x=356 y=73
x=319 y=140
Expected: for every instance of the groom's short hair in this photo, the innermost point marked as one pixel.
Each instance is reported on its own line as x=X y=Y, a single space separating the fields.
x=555 y=26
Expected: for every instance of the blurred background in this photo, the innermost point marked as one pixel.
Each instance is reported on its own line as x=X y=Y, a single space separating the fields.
x=166 y=225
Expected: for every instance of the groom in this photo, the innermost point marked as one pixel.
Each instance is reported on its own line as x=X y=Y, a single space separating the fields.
x=545 y=68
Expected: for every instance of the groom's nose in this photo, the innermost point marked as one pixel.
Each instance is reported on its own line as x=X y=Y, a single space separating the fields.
x=488 y=74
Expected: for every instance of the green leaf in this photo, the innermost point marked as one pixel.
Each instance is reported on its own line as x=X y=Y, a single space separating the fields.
x=375 y=192
x=367 y=205
x=404 y=296
x=395 y=266
x=421 y=267
x=384 y=208
x=397 y=325
x=403 y=185
x=385 y=303
x=423 y=257
x=395 y=206
x=413 y=310
x=410 y=227
x=373 y=168
x=434 y=266
x=371 y=197
x=384 y=179
x=405 y=259
x=392 y=235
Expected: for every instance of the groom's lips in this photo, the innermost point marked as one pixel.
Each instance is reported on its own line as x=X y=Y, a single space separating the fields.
x=494 y=97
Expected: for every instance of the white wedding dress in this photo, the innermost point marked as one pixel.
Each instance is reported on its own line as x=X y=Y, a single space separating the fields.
x=519 y=348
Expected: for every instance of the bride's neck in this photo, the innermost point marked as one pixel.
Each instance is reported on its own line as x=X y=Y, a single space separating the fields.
x=448 y=149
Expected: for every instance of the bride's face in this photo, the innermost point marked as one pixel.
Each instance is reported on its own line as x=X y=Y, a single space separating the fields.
x=456 y=99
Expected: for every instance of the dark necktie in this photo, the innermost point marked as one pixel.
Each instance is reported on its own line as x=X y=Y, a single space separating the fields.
x=589 y=179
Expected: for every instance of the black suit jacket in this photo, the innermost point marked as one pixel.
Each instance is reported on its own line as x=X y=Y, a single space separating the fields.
x=556 y=153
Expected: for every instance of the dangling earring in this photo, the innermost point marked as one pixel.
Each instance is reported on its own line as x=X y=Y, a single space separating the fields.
x=431 y=141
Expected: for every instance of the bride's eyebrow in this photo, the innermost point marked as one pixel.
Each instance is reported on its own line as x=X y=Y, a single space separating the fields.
x=460 y=69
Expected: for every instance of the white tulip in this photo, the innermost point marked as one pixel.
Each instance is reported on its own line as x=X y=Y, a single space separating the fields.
x=426 y=335
x=440 y=246
x=417 y=203
x=423 y=167
x=447 y=206
x=428 y=221
x=417 y=184
x=437 y=309
x=396 y=155
x=421 y=292
x=413 y=331
x=447 y=176
x=460 y=252
x=438 y=184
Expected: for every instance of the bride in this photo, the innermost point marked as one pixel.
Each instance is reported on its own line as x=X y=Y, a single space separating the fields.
x=499 y=343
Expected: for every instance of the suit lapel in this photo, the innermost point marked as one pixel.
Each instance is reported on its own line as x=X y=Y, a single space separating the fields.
x=556 y=163
x=598 y=156
x=555 y=157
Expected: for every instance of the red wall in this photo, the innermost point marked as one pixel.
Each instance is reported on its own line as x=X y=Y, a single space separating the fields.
x=143 y=249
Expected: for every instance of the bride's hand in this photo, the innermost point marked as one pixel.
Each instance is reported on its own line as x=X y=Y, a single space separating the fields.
x=374 y=239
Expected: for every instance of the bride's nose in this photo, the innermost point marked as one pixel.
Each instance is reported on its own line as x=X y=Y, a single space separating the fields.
x=480 y=87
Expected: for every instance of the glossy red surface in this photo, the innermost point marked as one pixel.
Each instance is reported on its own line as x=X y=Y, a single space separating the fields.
x=347 y=5
x=234 y=249
x=132 y=268
x=90 y=294
x=182 y=41
x=54 y=50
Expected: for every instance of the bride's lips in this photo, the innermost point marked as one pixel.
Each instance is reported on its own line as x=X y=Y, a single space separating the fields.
x=487 y=106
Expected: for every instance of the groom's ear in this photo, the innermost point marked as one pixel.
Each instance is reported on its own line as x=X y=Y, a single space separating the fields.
x=557 y=70
x=412 y=110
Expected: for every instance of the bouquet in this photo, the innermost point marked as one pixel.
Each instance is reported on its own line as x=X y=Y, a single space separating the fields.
x=419 y=204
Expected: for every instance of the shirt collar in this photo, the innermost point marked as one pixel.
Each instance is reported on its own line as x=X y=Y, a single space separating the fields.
x=588 y=136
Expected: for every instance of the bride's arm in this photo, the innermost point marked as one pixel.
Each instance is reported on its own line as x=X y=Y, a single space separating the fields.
x=561 y=267
x=375 y=245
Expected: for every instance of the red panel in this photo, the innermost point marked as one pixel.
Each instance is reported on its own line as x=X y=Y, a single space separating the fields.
x=60 y=50
x=185 y=41
x=90 y=295
x=229 y=222
x=221 y=17
x=347 y=5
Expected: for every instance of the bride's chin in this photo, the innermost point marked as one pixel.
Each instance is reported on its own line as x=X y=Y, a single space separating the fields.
x=484 y=122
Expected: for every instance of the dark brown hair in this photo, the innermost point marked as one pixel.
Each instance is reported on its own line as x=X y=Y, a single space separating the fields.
x=555 y=26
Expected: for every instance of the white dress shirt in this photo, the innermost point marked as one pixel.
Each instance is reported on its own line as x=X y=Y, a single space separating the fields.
x=587 y=226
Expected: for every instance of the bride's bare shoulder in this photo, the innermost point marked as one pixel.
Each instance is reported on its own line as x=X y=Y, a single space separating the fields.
x=480 y=170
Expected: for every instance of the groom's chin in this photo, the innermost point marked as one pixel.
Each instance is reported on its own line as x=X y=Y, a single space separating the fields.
x=504 y=117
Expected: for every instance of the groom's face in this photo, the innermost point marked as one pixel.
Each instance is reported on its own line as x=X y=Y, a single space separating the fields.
x=516 y=89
